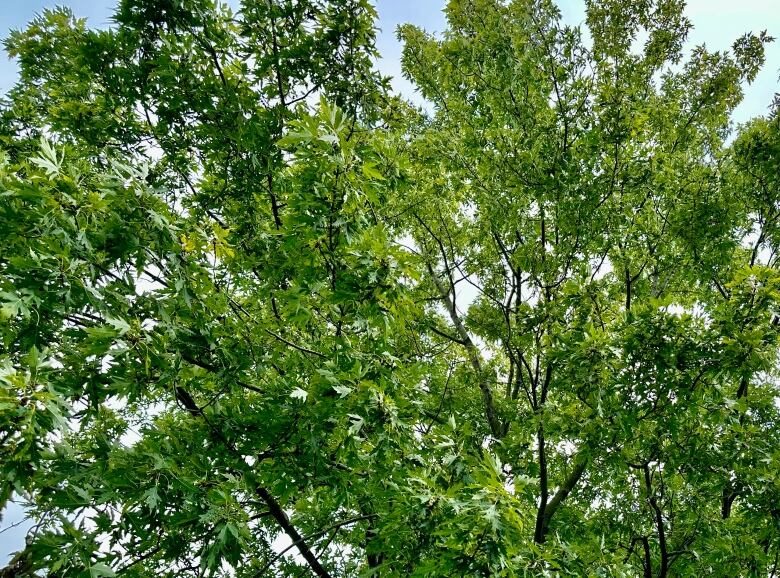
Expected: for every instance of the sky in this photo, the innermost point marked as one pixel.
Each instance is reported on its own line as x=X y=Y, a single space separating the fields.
x=717 y=23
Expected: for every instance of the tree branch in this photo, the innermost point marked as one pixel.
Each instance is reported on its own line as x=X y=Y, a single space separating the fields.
x=580 y=464
x=496 y=427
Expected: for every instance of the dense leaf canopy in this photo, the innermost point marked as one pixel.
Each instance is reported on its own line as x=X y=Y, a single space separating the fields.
x=261 y=317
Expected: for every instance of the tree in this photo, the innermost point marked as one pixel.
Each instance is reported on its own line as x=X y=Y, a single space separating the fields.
x=235 y=339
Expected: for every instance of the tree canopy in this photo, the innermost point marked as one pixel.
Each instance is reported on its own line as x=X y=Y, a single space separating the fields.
x=260 y=316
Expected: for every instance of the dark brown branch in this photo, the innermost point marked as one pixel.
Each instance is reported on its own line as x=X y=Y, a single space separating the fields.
x=183 y=397
x=298 y=541
x=335 y=526
x=659 y=523
x=274 y=508
x=214 y=369
x=446 y=335
x=539 y=530
x=496 y=427
x=294 y=346
x=571 y=481
x=648 y=560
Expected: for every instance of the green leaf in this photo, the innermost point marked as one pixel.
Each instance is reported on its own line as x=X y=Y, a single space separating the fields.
x=343 y=390
x=99 y=570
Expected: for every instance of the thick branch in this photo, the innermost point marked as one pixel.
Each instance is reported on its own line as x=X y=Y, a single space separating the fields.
x=496 y=427
x=539 y=530
x=659 y=523
x=568 y=486
x=298 y=541
x=571 y=481
x=648 y=560
x=274 y=508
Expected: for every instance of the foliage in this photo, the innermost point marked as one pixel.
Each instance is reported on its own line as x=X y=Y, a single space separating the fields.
x=261 y=317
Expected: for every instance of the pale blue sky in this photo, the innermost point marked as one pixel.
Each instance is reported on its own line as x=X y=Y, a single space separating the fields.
x=717 y=23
